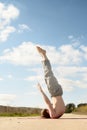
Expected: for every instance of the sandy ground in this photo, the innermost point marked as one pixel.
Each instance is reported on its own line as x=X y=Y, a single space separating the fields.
x=66 y=122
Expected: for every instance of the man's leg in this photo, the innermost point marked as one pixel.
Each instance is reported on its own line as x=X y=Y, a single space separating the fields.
x=46 y=63
x=51 y=82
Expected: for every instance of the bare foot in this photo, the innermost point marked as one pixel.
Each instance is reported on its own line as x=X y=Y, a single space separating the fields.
x=41 y=51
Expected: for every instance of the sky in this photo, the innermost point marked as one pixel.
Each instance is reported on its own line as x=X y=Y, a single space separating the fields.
x=60 y=27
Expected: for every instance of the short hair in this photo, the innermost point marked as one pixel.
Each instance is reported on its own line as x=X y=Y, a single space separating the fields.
x=45 y=113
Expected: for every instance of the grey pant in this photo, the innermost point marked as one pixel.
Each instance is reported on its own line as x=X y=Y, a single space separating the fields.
x=53 y=86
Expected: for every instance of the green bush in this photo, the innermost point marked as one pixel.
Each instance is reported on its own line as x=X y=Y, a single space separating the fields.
x=70 y=108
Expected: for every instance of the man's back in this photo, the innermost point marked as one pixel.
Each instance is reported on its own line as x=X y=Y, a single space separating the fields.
x=58 y=105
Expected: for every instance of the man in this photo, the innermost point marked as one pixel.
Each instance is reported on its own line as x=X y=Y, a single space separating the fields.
x=57 y=108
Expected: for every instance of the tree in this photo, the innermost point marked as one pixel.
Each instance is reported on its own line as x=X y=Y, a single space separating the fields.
x=70 y=107
x=82 y=104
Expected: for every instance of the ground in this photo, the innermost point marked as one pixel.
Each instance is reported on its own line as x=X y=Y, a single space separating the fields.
x=66 y=122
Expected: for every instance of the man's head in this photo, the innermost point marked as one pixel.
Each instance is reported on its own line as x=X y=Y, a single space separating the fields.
x=45 y=113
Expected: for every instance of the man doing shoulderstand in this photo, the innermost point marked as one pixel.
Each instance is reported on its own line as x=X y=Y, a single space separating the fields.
x=56 y=108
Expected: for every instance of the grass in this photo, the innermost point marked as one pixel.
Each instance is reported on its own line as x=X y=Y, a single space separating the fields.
x=81 y=110
x=17 y=115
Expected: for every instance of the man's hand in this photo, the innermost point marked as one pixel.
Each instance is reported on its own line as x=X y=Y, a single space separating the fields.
x=52 y=113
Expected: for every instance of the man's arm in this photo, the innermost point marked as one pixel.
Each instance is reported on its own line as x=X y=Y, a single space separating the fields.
x=47 y=101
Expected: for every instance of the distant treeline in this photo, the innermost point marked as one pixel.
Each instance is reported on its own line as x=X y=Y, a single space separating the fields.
x=28 y=111
x=81 y=108
x=19 y=111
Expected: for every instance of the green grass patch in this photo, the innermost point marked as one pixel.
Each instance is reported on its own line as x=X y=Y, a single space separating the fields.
x=81 y=110
x=17 y=115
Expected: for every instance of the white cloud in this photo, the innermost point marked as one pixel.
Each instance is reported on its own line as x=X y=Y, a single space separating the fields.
x=67 y=58
x=64 y=55
x=31 y=93
x=6 y=99
x=6 y=32
x=1 y=78
x=75 y=41
x=24 y=54
x=81 y=83
x=34 y=78
x=10 y=76
x=23 y=27
x=70 y=55
x=70 y=36
x=72 y=77
x=84 y=49
x=72 y=71
x=67 y=85
x=7 y=14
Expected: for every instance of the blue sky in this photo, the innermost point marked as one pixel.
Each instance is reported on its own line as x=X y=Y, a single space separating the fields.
x=60 y=27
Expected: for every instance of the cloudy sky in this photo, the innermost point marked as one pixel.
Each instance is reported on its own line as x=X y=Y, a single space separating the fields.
x=60 y=27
